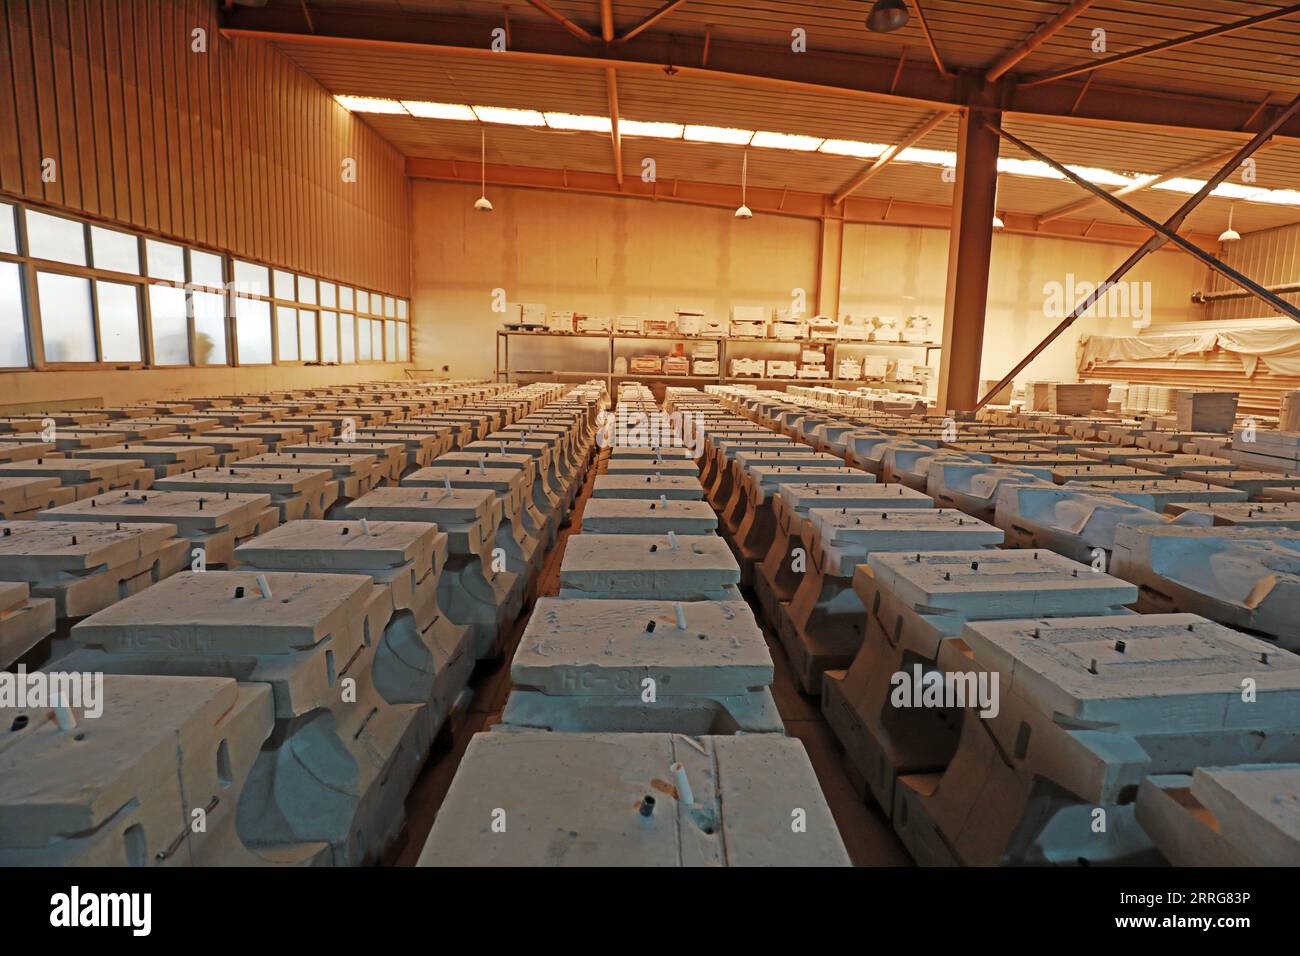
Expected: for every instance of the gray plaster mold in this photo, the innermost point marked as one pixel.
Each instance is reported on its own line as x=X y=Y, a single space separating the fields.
x=575 y=799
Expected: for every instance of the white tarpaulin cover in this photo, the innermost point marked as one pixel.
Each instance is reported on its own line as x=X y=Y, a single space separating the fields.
x=1278 y=349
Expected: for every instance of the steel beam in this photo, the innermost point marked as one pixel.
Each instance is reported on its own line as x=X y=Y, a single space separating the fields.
x=1171 y=44
x=889 y=155
x=1163 y=233
x=650 y=20
x=1039 y=37
x=970 y=244
x=1188 y=169
x=759 y=65
x=929 y=38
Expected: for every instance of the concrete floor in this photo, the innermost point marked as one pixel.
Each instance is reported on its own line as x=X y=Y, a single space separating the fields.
x=866 y=833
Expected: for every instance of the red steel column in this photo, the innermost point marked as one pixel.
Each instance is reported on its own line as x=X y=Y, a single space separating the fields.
x=969 y=245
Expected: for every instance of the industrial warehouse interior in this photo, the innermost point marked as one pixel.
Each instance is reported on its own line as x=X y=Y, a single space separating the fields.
x=649 y=433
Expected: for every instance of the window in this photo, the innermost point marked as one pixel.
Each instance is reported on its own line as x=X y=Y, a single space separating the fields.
x=67 y=323
x=13 y=330
x=55 y=238
x=209 y=310
x=307 y=334
x=205 y=269
x=329 y=335
x=286 y=321
x=119 y=321
x=252 y=279
x=8 y=232
x=142 y=300
x=253 y=331
x=284 y=286
x=115 y=251
x=363 y=339
x=347 y=338
x=165 y=261
x=171 y=327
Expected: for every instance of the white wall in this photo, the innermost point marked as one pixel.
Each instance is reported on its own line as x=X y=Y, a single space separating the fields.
x=901 y=270
x=592 y=254
x=602 y=255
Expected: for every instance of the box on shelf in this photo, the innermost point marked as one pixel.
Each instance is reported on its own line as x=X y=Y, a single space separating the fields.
x=849 y=369
x=889 y=328
x=812 y=356
x=594 y=323
x=789 y=330
x=659 y=327
x=749 y=320
x=823 y=328
x=815 y=371
x=875 y=366
x=677 y=365
x=713 y=327
x=628 y=325
x=904 y=370
x=854 y=328
x=705 y=366
x=704 y=350
x=646 y=365
x=560 y=321
x=917 y=329
x=781 y=368
x=620 y=365
x=747 y=366
x=534 y=314
x=689 y=321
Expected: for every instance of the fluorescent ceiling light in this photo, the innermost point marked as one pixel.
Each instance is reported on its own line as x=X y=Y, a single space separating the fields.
x=770 y=140
x=581 y=123
x=1278 y=197
x=1027 y=167
x=700 y=133
x=657 y=130
x=370 y=104
x=447 y=111
x=931 y=157
x=851 y=147
x=510 y=117
x=718 y=134
x=1237 y=191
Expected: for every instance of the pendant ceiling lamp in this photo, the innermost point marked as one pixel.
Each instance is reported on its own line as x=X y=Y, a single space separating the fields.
x=482 y=204
x=886 y=16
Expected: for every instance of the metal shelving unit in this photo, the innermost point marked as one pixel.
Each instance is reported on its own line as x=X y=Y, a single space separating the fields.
x=504 y=371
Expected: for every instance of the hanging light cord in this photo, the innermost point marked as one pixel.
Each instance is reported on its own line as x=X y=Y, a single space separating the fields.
x=482 y=161
x=744 y=176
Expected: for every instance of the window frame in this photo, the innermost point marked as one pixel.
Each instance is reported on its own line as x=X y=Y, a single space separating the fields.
x=28 y=268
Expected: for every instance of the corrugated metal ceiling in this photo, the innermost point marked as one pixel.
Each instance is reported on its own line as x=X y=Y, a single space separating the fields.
x=1249 y=64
